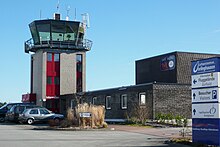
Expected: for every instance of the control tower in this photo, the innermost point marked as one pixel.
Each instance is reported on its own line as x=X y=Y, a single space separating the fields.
x=58 y=59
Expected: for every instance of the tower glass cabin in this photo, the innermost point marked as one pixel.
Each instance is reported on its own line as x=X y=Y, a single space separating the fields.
x=58 y=58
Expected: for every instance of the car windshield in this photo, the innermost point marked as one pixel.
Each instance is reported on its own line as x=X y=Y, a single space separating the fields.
x=25 y=110
x=20 y=109
x=4 y=106
x=12 y=108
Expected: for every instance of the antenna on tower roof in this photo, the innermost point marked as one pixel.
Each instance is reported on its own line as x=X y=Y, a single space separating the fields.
x=85 y=19
x=67 y=11
x=75 y=15
x=40 y=14
x=58 y=6
x=57 y=14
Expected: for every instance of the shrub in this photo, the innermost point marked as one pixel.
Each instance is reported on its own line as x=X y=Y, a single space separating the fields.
x=53 y=123
x=185 y=122
x=178 y=120
x=65 y=123
x=70 y=114
x=105 y=125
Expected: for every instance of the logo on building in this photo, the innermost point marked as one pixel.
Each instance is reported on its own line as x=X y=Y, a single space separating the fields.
x=168 y=63
x=204 y=66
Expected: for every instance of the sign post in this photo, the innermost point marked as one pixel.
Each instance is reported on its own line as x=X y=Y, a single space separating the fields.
x=205 y=101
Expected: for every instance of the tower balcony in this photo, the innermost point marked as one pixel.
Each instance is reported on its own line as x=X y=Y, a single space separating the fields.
x=77 y=45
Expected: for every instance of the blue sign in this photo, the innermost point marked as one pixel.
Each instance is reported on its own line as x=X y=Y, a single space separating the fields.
x=214 y=94
x=206 y=66
x=206 y=131
x=205 y=112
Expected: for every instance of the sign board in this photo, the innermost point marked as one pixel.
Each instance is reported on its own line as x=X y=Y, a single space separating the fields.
x=206 y=66
x=206 y=131
x=205 y=95
x=85 y=114
x=205 y=110
x=205 y=101
x=206 y=80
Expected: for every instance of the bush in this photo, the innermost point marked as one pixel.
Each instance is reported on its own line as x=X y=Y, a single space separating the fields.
x=53 y=123
x=133 y=120
x=185 y=122
x=70 y=114
x=158 y=116
x=105 y=125
x=169 y=118
x=65 y=123
x=178 y=119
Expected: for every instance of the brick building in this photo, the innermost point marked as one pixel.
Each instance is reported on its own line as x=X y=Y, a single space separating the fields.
x=163 y=85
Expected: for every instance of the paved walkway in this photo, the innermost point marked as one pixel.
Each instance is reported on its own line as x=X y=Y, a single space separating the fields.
x=161 y=132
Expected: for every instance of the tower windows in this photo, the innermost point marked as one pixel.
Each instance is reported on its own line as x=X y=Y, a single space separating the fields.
x=79 y=73
x=56 y=80
x=53 y=75
x=49 y=56
x=49 y=80
x=56 y=57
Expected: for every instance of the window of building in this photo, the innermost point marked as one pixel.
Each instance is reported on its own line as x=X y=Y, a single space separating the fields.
x=57 y=80
x=124 y=101
x=94 y=100
x=49 y=104
x=49 y=56
x=49 y=80
x=142 y=98
x=70 y=33
x=56 y=57
x=44 y=32
x=79 y=73
x=34 y=33
x=72 y=104
x=108 y=102
x=79 y=62
x=56 y=103
x=58 y=30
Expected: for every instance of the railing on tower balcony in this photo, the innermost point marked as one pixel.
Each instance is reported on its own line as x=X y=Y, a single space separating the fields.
x=77 y=45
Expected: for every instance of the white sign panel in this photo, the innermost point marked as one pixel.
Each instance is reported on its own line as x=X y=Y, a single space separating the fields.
x=206 y=110
x=85 y=114
x=205 y=95
x=205 y=80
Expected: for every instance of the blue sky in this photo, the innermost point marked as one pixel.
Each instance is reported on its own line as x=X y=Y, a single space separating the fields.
x=122 y=31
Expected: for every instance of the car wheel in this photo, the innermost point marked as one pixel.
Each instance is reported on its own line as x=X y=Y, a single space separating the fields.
x=56 y=121
x=30 y=121
x=2 y=119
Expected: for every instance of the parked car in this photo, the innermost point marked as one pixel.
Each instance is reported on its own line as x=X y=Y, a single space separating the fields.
x=16 y=110
x=39 y=115
x=5 y=108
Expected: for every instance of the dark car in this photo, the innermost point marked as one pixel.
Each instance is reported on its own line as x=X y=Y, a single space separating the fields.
x=16 y=110
x=39 y=115
x=5 y=108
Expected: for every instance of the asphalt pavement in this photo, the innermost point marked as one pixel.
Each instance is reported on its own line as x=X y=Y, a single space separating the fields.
x=12 y=135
